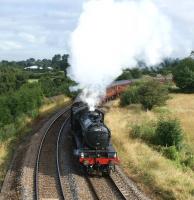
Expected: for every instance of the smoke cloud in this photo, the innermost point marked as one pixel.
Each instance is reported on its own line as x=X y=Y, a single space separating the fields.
x=112 y=35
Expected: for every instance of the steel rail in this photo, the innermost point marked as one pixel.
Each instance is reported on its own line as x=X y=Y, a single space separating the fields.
x=57 y=158
x=36 y=181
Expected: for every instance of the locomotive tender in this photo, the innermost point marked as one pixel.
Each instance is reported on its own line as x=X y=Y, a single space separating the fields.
x=92 y=138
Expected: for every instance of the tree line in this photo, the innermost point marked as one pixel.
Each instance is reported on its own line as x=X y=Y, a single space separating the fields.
x=58 y=62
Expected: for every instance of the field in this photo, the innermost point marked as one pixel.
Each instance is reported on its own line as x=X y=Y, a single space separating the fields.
x=182 y=106
x=157 y=176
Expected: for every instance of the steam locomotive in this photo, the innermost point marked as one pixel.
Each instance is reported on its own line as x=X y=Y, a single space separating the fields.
x=92 y=137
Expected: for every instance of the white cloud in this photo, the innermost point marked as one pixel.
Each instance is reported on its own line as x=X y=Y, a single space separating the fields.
x=46 y=24
x=27 y=37
x=10 y=45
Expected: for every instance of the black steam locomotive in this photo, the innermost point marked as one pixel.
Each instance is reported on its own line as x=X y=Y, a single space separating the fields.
x=92 y=138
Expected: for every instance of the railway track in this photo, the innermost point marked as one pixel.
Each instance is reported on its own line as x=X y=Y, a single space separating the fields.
x=47 y=179
x=104 y=188
x=57 y=177
x=116 y=186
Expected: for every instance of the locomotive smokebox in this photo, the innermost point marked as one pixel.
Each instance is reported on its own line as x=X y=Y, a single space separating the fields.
x=97 y=136
x=91 y=125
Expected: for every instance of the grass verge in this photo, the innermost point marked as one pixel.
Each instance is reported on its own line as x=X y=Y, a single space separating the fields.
x=158 y=176
x=21 y=128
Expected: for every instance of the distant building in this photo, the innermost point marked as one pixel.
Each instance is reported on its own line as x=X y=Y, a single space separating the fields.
x=33 y=67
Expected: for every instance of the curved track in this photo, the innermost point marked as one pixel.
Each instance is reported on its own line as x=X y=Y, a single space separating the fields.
x=47 y=170
x=57 y=175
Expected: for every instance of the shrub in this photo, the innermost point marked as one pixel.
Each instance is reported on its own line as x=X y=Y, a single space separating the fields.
x=183 y=74
x=25 y=101
x=151 y=94
x=189 y=160
x=171 y=153
x=145 y=131
x=169 y=133
x=126 y=75
x=130 y=96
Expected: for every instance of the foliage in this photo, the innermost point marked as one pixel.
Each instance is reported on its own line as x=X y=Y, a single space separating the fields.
x=144 y=131
x=171 y=153
x=24 y=101
x=11 y=79
x=54 y=85
x=189 y=161
x=130 y=96
x=169 y=133
x=184 y=74
x=126 y=75
x=136 y=73
x=151 y=94
x=58 y=62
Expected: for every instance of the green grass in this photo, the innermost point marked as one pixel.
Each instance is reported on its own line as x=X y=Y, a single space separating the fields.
x=32 y=80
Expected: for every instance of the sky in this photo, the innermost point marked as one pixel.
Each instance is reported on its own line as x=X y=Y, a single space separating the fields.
x=41 y=28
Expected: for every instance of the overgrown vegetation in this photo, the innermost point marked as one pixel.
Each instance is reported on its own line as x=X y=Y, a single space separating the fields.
x=184 y=75
x=169 y=133
x=128 y=74
x=148 y=94
x=165 y=136
x=23 y=93
x=21 y=97
x=165 y=171
x=131 y=96
x=11 y=79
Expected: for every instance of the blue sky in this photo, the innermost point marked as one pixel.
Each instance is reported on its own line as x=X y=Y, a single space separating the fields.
x=41 y=28
x=36 y=28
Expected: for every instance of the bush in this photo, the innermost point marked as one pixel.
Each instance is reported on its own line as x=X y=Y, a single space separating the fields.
x=171 y=153
x=145 y=131
x=183 y=74
x=25 y=101
x=189 y=160
x=151 y=94
x=126 y=75
x=130 y=96
x=169 y=133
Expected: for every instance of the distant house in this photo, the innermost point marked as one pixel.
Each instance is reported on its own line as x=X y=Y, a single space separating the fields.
x=33 y=67
x=49 y=68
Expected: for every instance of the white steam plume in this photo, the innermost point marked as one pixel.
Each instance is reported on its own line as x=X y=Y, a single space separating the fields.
x=112 y=35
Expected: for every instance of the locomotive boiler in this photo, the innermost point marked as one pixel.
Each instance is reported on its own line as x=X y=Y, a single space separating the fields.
x=93 y=139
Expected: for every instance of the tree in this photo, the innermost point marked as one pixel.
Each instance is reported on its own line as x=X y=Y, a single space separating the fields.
x=11 y=79
x=130 y=96
x=183 y=74
x=56 y=61
x=30 y=61
x=126 y=75
x=47 y=86
x=169 y=133
x=64 y=63
x=151 y=94
x=136 y=73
